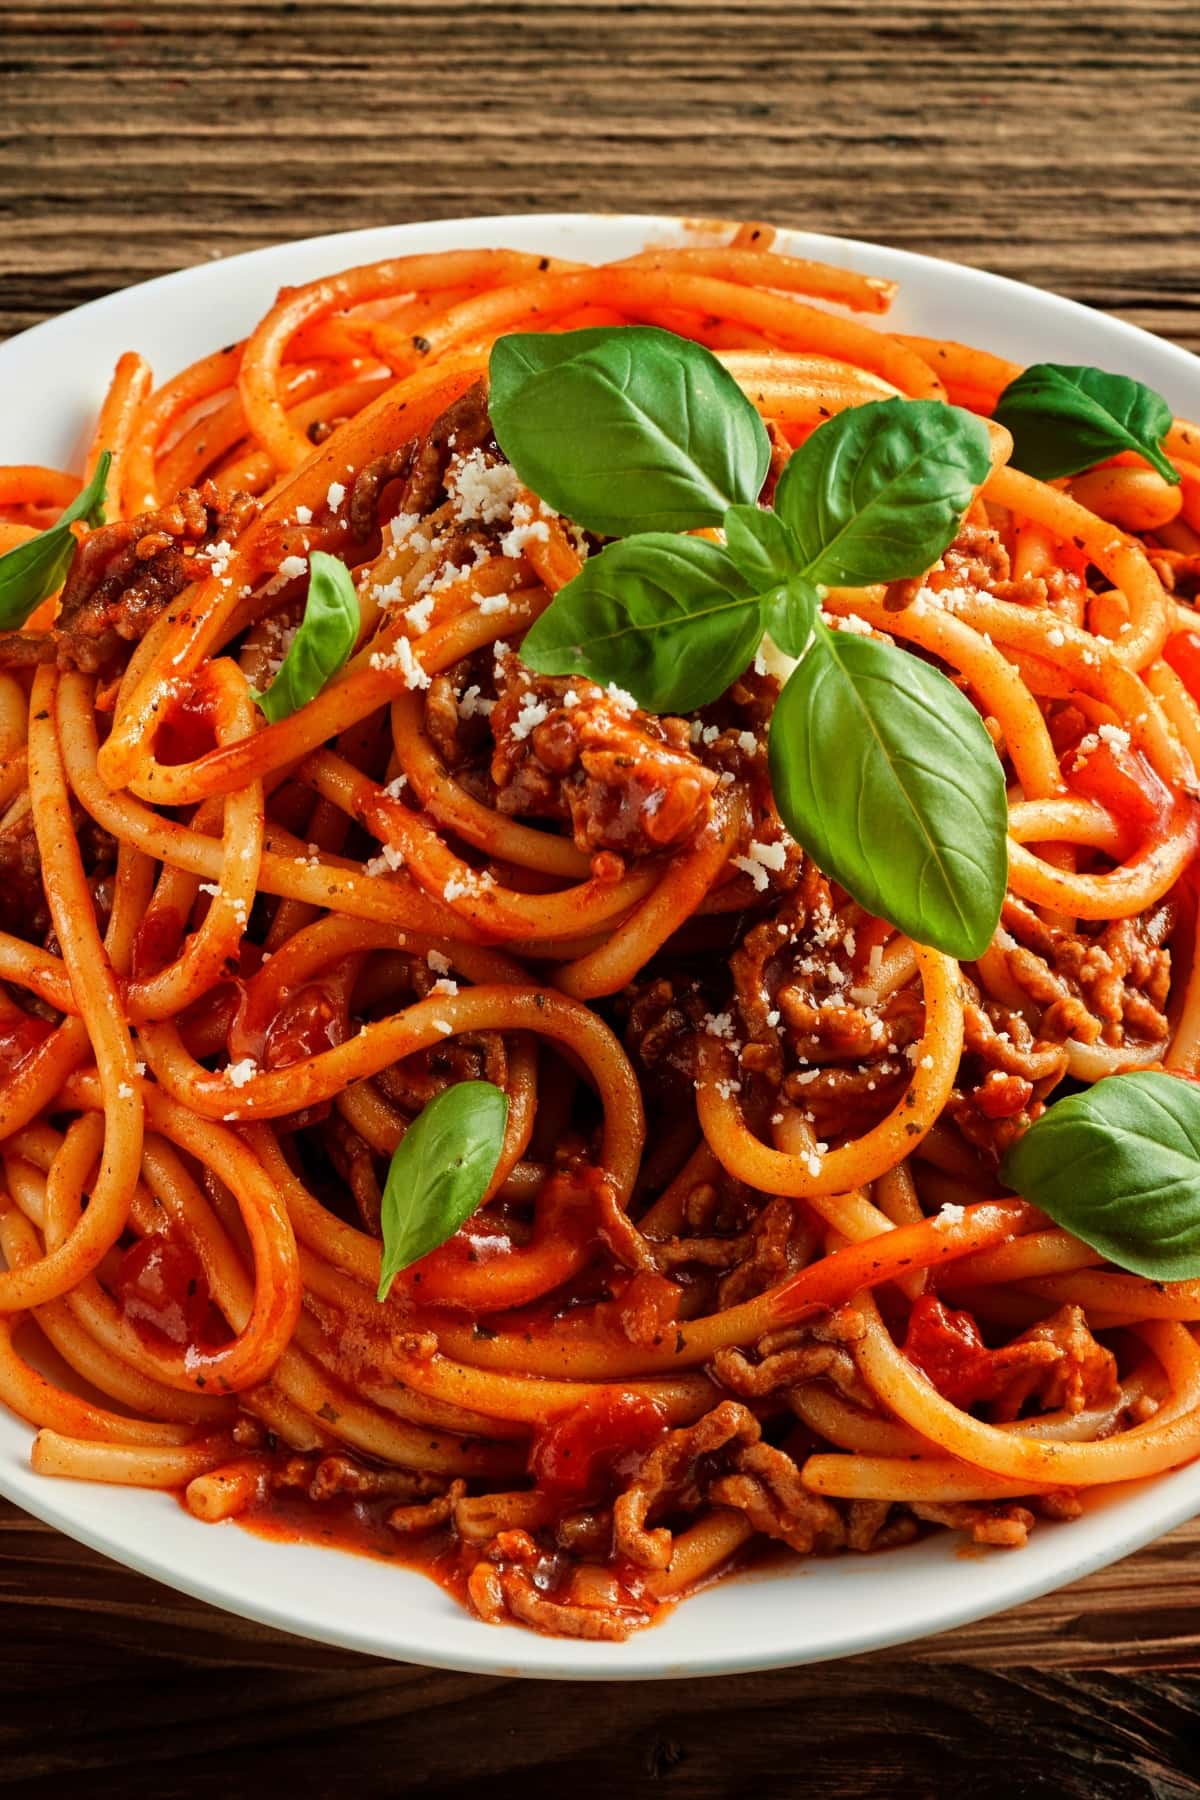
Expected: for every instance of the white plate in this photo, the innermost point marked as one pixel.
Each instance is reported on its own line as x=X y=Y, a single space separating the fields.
x=51 y=380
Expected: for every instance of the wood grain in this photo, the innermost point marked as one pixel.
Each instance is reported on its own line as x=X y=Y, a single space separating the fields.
x=1062 y=1696
x=1055 y=143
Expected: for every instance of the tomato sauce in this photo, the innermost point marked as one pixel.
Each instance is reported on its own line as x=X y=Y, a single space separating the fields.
x=188 y=731
x=946 y=1346
x=344 y=1522
x=157 y=939
x=20 y=1035
x=1121 y=779
x=1182 y=651
x=578 y=1456
x=162 y=1290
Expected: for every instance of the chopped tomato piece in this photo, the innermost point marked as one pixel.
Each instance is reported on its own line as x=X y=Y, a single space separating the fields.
x=1182 y=652
x=20 y=1035
x=1120 y=778
x=162 y=1289
x=575 y=1458
x=946 y=1346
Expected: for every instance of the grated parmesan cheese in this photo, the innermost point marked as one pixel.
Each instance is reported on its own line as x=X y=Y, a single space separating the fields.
x=419 y=614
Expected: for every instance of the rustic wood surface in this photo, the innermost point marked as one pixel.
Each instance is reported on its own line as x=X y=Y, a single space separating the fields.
x=1055 y=143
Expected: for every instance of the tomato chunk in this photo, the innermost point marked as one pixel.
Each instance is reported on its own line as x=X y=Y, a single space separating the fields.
x=946 y=1346
x=577 y=1456
x=1182 y=652
x=162 y=1289
x=20 y=1036
x=1111 y=771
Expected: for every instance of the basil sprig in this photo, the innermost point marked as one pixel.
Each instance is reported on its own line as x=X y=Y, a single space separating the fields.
x=881 y=768
x=320 y=649
x=1066 y=417
x=1119 y=1167
x=627 y=429
x=33 y=571
x=439 y=1173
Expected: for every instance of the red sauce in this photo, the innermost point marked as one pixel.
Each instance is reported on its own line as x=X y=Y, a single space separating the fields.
x=162 y=1290
x=1182 y=651
x=157 y=939
x=288 y=1515
x=946 y=1346
x=20 y=1036
x=577 y=1456
x=1122 y=780
x=309 y=1021
x=188 y=730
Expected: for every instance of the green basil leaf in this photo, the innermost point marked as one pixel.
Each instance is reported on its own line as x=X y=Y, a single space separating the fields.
x=877 y=493
x=1065 y=417
x=883 y=771
x=1119 y=1166
x=328 y=633
x=439 y=1173
x=761 y=545
x=669 y=619
x=33 y=571
x=626 y=428
x=788 y=614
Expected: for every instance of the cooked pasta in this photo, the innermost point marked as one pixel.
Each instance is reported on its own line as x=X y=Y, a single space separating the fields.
x=745 y=1270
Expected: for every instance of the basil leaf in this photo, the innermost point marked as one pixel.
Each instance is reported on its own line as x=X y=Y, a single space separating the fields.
x=440 y=1171
x=1065 y=417
x=34 y=570
x=1119 y=1166
x=788 y=614
x=877 y=493
x=668 y=618
x=626 y=428
x=328 y=633
x=761 y=545
x=885 y=774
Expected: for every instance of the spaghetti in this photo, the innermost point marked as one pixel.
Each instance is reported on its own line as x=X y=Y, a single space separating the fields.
x=745 y=1271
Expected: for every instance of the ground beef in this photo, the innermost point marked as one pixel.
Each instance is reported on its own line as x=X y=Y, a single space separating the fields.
x=1005 y=1075
x=1110 y=986
x=625 y=781
x=978 y=559
x=721 y=1459
x=124 y=575
x=804 y=1021
x=421 y=464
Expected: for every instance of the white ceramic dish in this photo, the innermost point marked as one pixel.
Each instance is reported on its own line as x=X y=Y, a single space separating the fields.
x=51 y=380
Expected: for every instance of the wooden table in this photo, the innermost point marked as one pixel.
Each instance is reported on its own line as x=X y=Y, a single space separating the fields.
x=1056 y=143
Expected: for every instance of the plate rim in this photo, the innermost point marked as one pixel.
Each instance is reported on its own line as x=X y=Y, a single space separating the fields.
x=1153 y=1512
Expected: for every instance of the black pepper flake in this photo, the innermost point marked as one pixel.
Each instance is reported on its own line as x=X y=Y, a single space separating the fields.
x=421 y=345
x=327 y=1413
x=487 y=1332
x=41 y=715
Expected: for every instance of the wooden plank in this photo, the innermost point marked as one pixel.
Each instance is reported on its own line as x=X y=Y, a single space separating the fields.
x=223 y=1701
x=1000 y=136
